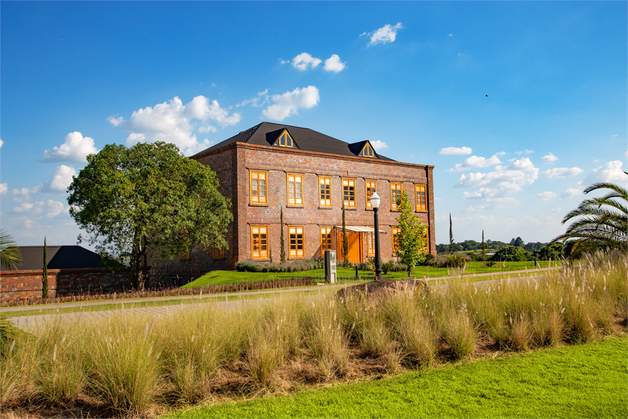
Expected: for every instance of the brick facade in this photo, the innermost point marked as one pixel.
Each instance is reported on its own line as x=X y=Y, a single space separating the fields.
x=17 y=285
x=233 y=164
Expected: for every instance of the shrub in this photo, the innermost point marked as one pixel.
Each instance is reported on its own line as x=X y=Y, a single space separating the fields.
x=293 y=266
x=511 y=254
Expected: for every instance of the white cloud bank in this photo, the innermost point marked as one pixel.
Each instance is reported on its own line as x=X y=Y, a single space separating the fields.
x=49 y=208
x=503 y=179
x=174 y=122
x=610 y=172
x=4 y=188
x=334 y=64
x=385 y=34
x=60 y=179
x=455 y=150
x=562 y=172
x=289 y=103
x=476 y=162
x=546 y=196
x=75 y=148
x=378 y=145
x=550 y=158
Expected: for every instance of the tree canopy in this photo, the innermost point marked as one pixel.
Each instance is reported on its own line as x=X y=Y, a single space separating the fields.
x=411 y=239
x=598 y=222
x=511 y=254
x=148 y=200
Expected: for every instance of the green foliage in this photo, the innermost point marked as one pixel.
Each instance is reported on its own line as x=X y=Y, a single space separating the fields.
x=148 y=199
x=10 y=256
x=598 y=222
x=511 y=254
x=552 y=251
x=44 y=275
x=412 y=243
x=282 y=252
x=293 y=266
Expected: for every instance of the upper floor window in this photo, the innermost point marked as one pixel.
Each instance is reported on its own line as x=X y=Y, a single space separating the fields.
x=371 y=187
x=259 y=242
x=367 y=151
x=421 y=197
x=395 y=195
x=285 y=140
x=259 y=188
x=296 y=242
x=324 y=191
x=348 y=192
x=295 y=189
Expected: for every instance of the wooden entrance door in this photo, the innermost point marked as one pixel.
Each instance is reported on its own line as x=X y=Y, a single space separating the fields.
x=355 y=246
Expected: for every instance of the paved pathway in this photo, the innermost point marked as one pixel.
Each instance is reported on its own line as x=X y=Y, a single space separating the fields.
x=31 y=322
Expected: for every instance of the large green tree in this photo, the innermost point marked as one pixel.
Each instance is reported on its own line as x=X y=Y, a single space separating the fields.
x=148 y=200
x=412 y=236
x=599 y=222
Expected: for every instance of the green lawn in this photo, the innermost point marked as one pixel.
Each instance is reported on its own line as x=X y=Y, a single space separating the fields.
x=232 y=277
x=585 y=381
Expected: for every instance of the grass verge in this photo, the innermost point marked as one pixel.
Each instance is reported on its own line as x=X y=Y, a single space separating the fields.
x=585 y=381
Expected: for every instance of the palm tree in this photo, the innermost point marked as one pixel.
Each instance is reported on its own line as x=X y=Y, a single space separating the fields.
x=9 y=253
x=599 y=222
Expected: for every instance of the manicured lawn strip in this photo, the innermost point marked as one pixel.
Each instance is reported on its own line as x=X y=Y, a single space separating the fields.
x=233 y=277
x=583 y=381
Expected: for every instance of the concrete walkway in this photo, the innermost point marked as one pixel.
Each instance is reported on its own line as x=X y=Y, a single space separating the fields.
x=31 y=322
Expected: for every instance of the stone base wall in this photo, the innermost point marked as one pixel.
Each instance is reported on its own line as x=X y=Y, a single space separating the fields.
x=18 y=285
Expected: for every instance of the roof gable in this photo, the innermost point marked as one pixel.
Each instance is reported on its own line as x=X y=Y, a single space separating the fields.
x=267 y=133
x=58 y=257
x=281 y=138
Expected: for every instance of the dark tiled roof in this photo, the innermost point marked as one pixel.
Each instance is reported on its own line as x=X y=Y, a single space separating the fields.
x=59 y=257
x=305 y=139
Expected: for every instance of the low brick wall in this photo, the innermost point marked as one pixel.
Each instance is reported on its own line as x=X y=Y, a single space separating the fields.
x=16 y=285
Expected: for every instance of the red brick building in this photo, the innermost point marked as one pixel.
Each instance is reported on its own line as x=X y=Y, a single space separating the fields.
x=271 y=168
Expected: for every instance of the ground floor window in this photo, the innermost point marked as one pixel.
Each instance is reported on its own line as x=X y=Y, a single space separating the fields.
x=259 y=242
x=370 y=244
x=296 y=242
x=326 y=239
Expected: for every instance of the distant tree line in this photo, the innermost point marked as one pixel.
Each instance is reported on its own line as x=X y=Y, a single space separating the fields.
x=491 y=246
x=515 y=250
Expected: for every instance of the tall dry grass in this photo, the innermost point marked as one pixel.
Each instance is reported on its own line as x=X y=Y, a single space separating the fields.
x=130 y=363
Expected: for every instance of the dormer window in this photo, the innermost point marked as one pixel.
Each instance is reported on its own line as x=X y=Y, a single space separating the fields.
x=367 y=151
x=285 y=140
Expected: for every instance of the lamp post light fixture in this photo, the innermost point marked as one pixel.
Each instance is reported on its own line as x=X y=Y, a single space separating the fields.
x=375 y=200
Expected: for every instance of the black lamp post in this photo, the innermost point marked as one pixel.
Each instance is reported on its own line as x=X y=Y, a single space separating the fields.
x=375 y=200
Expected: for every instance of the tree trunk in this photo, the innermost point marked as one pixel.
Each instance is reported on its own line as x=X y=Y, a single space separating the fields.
x=409 y=271
x=139 y=275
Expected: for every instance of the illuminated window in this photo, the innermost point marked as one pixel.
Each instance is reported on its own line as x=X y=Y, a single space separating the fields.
x=370 y=244
x=324 y=191
x=285 y=140
x=395 y=239
x=259 y=242
x=259 y=188
x=371 y=187
x=395 y=195
x=348 y=192
x=325 y=239
x=367 y=151
x=296 y=242
x=295 y=189
x=421 y=198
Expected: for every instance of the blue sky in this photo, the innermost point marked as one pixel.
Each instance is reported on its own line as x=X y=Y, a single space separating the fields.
x=518 y=105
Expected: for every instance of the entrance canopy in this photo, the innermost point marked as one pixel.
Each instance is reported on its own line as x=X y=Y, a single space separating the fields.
x=360 y=229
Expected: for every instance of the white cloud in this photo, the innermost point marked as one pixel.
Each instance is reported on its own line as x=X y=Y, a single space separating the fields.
x=546 y=196
x=23 y=194
x=172 y=122
x=550 y=158
x=1 y=142
x=385 y=34
x=505 y=178
x=4 y=188
x=626 y=154
x=75 y=148
x=571 y=192
x=60 y=179
x=610 y=172
x=519 y=153
x=455 y=150
x=481 y=193
x=460 y=54
x=334 y=64
x=289 y=103
x=48 y=209
x=562 y=172
x=115 y=121
x=475 y=162
x=379 y=145
x=304 y=61
x=557 y=209
x=451 y=34
x=258 y=101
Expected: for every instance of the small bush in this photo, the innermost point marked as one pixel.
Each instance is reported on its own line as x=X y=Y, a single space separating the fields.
x=292 y=266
